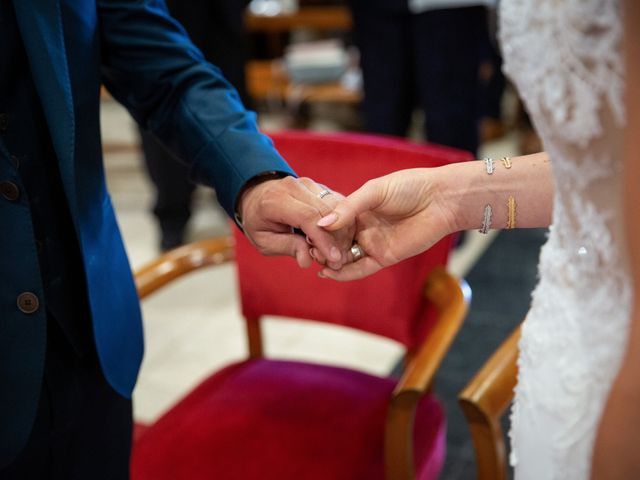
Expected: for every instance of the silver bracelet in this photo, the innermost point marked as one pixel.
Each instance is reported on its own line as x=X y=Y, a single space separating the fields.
x=486 y=221
x=488 y=163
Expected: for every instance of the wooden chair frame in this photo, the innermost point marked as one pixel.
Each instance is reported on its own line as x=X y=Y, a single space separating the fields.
x=484 y=401
x=176 y=263
x=444 y=291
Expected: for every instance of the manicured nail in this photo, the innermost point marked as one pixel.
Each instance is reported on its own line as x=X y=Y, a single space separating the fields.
x=321 y=274
x=328 y=220
x=335 y=254
x=312 y=253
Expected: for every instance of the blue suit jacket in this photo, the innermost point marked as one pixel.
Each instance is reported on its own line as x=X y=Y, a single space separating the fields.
x=147 y=62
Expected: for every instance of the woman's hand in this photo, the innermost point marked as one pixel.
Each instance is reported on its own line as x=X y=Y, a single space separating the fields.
x=397 y=216
x=406 y=212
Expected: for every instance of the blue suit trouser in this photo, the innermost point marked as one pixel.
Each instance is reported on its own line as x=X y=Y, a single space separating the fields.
x=82 y=428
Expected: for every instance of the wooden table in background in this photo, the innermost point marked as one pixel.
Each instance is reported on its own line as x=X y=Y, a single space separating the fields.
x=320 y=19
x=267 y=80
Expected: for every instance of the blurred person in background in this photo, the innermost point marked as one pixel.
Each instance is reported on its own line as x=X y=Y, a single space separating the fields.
x=216 y=28
x=424 y=53
x=493 y=84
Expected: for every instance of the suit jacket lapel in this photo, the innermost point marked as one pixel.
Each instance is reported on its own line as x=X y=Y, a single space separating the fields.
x=40 y=24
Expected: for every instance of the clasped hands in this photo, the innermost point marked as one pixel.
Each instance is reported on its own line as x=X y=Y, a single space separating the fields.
x=391 y=218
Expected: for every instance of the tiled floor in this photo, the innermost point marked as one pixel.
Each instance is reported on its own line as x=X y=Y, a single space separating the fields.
x=194 y=326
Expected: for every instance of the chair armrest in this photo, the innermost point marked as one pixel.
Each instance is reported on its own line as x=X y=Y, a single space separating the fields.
x=175 y=263
x=484 y=401
x=451 y=298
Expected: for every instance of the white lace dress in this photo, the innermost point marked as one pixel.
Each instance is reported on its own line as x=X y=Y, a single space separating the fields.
x=565 y=58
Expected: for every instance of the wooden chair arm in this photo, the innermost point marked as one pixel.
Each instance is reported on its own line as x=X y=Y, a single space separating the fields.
x=175 y=263
x=484 y=401
x=451 y=297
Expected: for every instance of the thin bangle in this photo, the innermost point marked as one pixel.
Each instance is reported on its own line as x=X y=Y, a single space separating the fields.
x=487 y=219
x=488 y=163
x=511 y=215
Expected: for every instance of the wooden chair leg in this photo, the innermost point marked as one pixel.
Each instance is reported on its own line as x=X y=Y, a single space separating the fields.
x=398 y=448
x=484 y=400
x=254 y=338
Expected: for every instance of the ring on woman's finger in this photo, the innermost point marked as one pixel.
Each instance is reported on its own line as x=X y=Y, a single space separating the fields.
x=357 y=252
x=324 y=193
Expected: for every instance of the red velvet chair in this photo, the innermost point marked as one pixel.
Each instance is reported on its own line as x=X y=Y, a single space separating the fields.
x=282 y=420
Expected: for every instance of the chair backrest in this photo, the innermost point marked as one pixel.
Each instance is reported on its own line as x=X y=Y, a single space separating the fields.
x=389 y=303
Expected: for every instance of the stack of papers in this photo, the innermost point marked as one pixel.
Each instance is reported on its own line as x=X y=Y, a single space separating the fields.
x=316 y=62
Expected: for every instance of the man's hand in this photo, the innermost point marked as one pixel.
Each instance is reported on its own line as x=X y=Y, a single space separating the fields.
x=270 y=210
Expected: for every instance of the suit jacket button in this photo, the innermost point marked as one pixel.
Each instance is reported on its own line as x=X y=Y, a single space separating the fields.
x=28 y=302
x=9 y=191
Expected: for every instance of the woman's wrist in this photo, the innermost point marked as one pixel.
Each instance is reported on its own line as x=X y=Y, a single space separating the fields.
x=462 y=194
x=520 y=195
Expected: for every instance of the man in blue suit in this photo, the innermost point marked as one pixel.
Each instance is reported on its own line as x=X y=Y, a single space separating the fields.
x=70 y=330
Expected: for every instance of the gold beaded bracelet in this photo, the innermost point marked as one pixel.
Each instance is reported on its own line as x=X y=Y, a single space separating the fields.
x=511 y=214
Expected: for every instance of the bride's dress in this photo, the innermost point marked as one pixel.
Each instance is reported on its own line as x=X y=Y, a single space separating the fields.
x=565 y=58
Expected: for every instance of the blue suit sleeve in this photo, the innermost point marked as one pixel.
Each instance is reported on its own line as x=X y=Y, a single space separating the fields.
x=151 y=66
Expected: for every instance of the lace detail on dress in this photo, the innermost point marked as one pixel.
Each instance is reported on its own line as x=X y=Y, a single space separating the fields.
x=571 y=65
x=573 y=338
x=565 y=58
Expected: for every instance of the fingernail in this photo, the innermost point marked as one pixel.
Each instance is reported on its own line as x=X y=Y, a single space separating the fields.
x=335 y=254
x=328 y=220
x=321 y=274
x=312 y=253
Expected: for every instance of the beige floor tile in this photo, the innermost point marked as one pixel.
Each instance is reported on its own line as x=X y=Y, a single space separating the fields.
x=150 y=402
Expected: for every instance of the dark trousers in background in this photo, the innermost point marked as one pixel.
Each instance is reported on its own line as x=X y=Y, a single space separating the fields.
x=216 y=28
x=430 y=60
x=491 y=97
x=172 y=205
x=83 y=427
